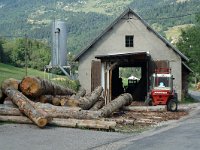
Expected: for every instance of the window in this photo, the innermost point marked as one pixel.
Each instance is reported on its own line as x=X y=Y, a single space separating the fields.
x=129 y=40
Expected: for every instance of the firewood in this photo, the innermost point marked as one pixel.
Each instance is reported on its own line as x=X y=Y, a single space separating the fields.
x=69 y=102
x=35 y=87
x=98 y=105
x=38 y=117
x=75 y=123
x=122 y=100
x=9 y=110
x=56 y=101
x=45 y=99
x=84 y=102
x=60 y=112
x=160 y=108
x=81 y=92
x=8 y=83
x=16 y=119
x=87 y=102
x=95 y=124
x=121 y=120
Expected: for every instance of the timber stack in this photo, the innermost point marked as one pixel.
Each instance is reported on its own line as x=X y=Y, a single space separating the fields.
x=39 y=101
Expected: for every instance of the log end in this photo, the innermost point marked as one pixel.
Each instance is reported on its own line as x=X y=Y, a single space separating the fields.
x=42 y=122
x=30 y=86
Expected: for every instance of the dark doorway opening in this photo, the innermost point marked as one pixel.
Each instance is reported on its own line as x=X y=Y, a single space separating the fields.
x=118 y=64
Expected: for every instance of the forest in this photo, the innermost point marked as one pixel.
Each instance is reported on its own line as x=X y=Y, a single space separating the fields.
x=25 y=33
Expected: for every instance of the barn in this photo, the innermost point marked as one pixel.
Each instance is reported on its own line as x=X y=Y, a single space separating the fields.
x=129 y=42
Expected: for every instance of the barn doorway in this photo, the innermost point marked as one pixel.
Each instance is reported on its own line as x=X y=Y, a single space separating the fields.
x=114 y=73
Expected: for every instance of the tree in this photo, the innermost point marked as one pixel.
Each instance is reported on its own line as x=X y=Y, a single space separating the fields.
x=189 y=44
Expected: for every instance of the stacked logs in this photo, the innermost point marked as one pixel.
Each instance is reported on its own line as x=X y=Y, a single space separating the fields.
x=39 y=101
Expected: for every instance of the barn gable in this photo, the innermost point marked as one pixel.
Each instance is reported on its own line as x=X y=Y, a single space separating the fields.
x=128 y=12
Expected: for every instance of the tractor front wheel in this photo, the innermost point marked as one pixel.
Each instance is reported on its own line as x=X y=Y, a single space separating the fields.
x=172 y=105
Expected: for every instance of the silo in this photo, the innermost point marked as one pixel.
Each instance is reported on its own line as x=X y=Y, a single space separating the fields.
x=59 y=49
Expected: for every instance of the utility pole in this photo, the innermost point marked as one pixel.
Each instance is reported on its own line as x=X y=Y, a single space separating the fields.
x=26 y=56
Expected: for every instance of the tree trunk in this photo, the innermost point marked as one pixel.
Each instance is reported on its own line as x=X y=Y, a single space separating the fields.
x=38 y=117
x=16 y=119
x=59 y=111
x=87 y=102
x=98 y=105
x=8 y=110
x=122 y=100
x=8 y=83
x=35 y=87
x=84 y=102
x=95 y=124
x=145 y=108
x=70 y=102
x=81 y=92
x=121 y=120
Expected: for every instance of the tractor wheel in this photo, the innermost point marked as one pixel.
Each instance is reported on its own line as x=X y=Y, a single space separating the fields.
x=172 y=105
x=148 y=102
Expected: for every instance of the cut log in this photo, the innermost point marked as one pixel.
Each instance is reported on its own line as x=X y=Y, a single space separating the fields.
x=98 y=105
x=69 y=102
x=45 y=99
x=8 y=110
x=61 y=112
x=159 y=108
x=16 y=119
x=81 y=92
x=94 y=124
x=35 y=87
x=122 y=100
x=56 y=101
x=10 y=83
x=84 y=102
x=87 y=102
x=38 y=117
x=121 y=120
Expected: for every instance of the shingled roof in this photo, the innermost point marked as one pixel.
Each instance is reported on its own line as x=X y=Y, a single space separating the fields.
x=128 y=11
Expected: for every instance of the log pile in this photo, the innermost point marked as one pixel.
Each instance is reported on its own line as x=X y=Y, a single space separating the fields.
x=38 y=101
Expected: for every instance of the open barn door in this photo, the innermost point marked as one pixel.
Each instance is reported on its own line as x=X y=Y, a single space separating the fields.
x=95 y=74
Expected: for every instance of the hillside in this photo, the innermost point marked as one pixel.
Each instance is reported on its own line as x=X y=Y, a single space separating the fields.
x=87 y=18
x=8 y=71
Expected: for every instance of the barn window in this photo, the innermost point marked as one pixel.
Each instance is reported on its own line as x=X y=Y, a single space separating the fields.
x=129 y=40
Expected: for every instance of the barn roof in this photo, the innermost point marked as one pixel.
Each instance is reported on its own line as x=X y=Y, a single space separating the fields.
x=127 y=11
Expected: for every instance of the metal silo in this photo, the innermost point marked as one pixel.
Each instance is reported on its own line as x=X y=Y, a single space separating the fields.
x=59 y=49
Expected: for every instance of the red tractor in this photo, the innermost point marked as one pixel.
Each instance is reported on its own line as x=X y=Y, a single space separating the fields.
x=161 y=90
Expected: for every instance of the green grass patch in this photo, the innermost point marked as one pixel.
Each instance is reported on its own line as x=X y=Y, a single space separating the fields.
x=8 y=71
x=188 y=99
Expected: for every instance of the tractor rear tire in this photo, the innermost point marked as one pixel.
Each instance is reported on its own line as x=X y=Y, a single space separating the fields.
x=172 y=105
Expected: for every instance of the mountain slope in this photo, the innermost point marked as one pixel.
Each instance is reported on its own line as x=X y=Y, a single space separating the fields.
x=87 y=18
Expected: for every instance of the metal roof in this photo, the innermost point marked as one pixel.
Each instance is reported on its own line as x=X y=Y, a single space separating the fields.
x=129 y=10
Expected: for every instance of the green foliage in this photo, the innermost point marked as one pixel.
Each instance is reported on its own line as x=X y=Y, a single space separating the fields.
x=86 y=19
x=189 y=44
x=16 y=51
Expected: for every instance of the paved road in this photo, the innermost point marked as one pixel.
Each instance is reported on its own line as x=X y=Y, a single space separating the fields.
x=30 y=137
x=195 y=94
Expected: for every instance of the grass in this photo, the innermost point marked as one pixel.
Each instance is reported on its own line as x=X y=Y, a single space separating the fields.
x=8 y=71
x=187 y=100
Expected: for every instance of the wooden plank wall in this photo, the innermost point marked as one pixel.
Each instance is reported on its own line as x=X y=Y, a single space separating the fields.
x=95 y=74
